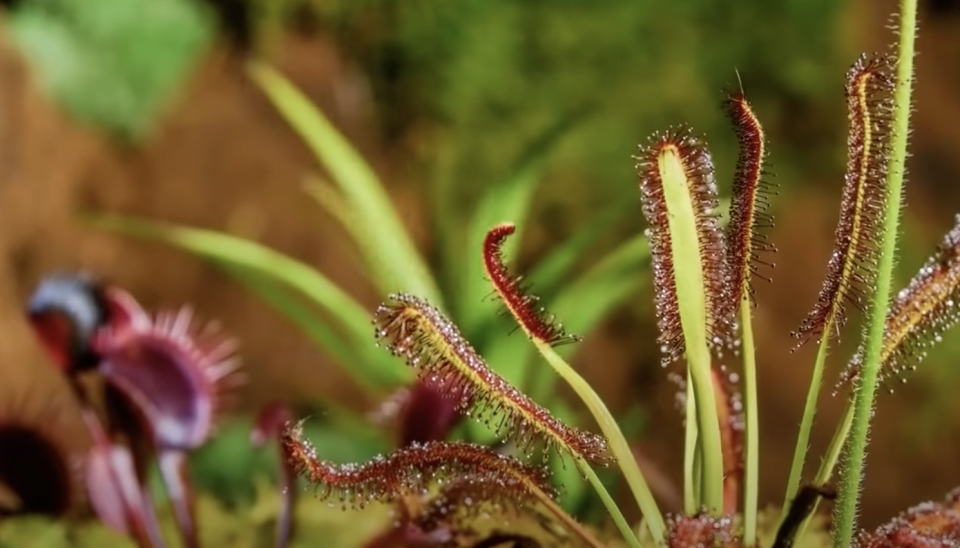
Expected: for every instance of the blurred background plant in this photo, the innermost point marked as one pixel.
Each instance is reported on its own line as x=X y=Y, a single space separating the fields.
x=469 y=113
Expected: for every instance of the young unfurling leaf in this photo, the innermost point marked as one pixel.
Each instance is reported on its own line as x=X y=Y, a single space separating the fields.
x=523 y=305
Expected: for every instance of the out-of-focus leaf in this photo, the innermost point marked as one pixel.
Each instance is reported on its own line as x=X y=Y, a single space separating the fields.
x=376 y=367
x=330 y=200
x=390 y=253
x=113 y=63
x=547 y=275
x=565 y=473
x=585 y=301
x=300 y=314
x=44 y=532
x=508 y=200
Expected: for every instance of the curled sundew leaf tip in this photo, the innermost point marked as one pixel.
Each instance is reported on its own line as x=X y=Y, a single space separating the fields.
x=747 y=244
x=525 y=307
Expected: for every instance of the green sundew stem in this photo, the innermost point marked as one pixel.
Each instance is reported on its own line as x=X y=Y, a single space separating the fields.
x=830 y=460
x=752 y=433
x=691 y=447
x=849 y=495
x=611 y=505
x=618 y=444
x=806 y=423
x=689 y=280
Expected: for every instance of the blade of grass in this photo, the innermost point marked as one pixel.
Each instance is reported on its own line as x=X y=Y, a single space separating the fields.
x=310 y=323
x=332 y=202
x=548 y=274
x=387 y=247
x=830 y=460
x=691 y=447
x=849 y=496
x=237 y=252
x=632 y=540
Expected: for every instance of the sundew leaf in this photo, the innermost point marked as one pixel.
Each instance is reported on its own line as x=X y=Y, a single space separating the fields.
x=391 y=255
x=224 y=249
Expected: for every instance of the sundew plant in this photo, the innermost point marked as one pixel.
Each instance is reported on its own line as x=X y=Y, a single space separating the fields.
x=501 y=488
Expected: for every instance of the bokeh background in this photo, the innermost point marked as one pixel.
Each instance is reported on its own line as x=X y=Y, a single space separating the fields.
x=144 y=108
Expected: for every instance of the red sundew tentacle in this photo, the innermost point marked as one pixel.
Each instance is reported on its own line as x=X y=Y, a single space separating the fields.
x=525 y=308
x=920 y=314
x=698 y=168
x=748 y=206
x=851 y=271
x=414 y=329
x=409 y=471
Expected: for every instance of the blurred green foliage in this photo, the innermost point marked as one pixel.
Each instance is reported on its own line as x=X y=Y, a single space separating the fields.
x=483 y=77
x=111 y=63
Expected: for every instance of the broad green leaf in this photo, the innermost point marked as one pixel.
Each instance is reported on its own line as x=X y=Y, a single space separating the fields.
x=111 y=63
x=395 y=263
x=508 y=200
x=376 y=366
